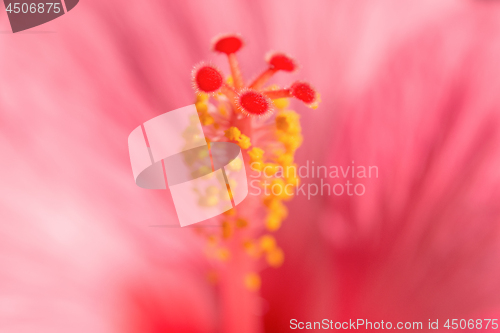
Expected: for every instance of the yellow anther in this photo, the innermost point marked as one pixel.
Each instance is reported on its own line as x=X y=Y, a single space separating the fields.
x=251 y=249
x=267 y=243
x=270 y=169
x=285 y=159
x=227 y=230
x=275 y=257
x=273 y=222
x=230 y=212
x=293 y=179
x=201 y=107
x=277 y=208
x=256 y=154
x=291 y=142
x=241 y=223
x=277 y=188
x=248 y=244
x=244 y=142
x=233 y=133
x=269 y=201
x=203 y=114
x=222 y=110
x=282 y=123
x=252 y=281
x=206 y=119
x=288 y=122
x=281 y=103
x=202 y=97
x=212 y=240
x=223 y=254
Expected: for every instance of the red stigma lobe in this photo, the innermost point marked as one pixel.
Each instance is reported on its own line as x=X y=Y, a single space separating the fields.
x=228 y=44
x=280 y=61
x=208 y=79
x=304 y=92
x=254 y=103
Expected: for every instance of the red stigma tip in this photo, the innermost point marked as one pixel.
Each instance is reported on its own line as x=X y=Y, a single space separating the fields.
x=207 y=78
x=281 y=61
x=227 y=44
x=253 y=103
x=304 y=92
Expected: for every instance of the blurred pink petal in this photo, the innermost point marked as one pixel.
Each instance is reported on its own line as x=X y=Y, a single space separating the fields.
x=423 y=241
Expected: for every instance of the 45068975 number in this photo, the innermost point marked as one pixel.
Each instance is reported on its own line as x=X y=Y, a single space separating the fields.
x=477 y=324
x=26 y=7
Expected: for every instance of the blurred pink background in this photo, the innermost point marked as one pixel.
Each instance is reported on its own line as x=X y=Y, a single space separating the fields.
x=410 y=86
